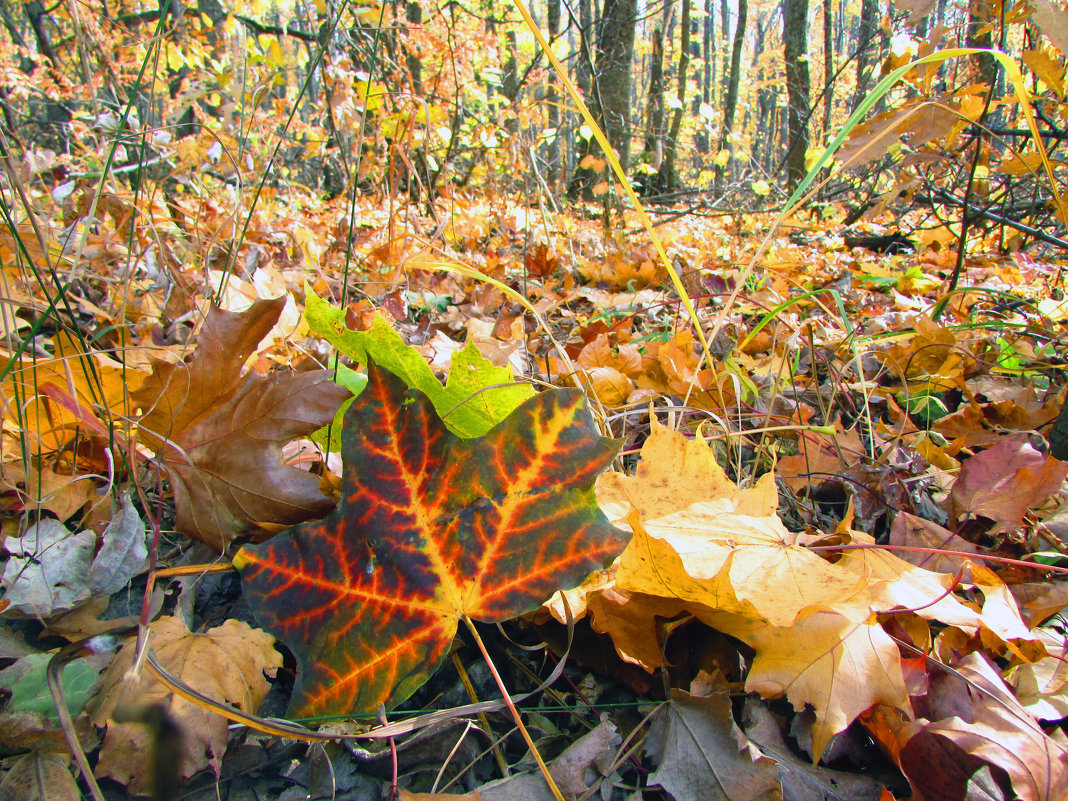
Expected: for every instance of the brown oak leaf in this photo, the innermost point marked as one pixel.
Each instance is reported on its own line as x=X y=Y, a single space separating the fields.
x=220 y=434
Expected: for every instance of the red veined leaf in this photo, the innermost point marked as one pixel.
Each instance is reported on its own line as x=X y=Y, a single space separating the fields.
x=430 y=528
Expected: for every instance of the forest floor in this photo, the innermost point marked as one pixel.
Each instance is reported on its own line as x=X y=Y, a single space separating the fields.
x=808 y=508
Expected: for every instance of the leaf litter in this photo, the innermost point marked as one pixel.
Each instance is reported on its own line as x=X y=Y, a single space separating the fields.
x=752 y=640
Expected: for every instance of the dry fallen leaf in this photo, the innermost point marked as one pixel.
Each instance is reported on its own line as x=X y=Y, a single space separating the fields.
x=932 y=359
x=982 y=717
x=38 y=776
x=1041 y=686
x=838 y=666
x=700 y=753
x=95 y=380
x=801 y=779
x=709 y=555
x=819 y=457
x=673 y=473
x=915 y=532
x=47 y=571
x=123 y=551
x=220 y=434
x=727 y=559
x=41 y=489
x=229 y=663
x=1004 y=481
x=634 y=621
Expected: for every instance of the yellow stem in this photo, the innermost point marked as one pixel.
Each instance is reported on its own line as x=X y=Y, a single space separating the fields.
x=515 y=712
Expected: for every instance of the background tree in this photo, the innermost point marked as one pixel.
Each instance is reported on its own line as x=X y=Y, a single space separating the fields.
x=708 y=74
x=980 y=34
x=552 y=97
x=795 y=53
x=730 y=104
x=866 y=39
x=828 y=66
x=412 y=98
x=666 y=178
x=611 y=85
x=653 y=152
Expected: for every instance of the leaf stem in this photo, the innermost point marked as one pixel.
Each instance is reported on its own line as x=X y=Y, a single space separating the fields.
x=515 y=712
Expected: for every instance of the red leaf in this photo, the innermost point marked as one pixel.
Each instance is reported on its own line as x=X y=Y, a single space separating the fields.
x=1004 y=481
x=430 y=528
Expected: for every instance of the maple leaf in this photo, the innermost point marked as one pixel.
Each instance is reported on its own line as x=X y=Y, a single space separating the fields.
x=477 y=395
x=228 y=662
x=700 y=752
x=933 y=360
x=1004 y=481
x=219 y=435
x=839 y=666
x=1009 y=407
x=431 y=528
x=701 y=545
x=973 y=708
x=94 y=380
x=48 y=774
x=608 y=374
x=709 y=554
x=700 y=539
x=43 y=489
x=819 y=455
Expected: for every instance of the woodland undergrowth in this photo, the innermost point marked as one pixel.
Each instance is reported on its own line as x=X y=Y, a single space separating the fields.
x=294 y=489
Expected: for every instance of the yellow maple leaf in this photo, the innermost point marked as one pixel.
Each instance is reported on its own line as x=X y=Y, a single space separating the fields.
x=703 y=546
x=839 y=666
x=709 y=555
x=99 y=384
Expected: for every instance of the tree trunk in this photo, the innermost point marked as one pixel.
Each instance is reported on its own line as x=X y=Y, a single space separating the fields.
x=666 y=178
x=654 y=109
x=35 y=13
x=869 y=9
x=655 y=114
x=510 y=67
x=764 y=126
x=828 y=66
x=730 y=105
x=552 y=97
x=795 y=43
x=611 y=106
x=708 y=56
x=584 y=69
x=980 y=14
x=725 y=26
x=414 y=16
x=615 y=50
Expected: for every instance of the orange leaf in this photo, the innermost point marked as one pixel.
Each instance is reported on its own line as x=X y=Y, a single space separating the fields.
x=230 y=661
